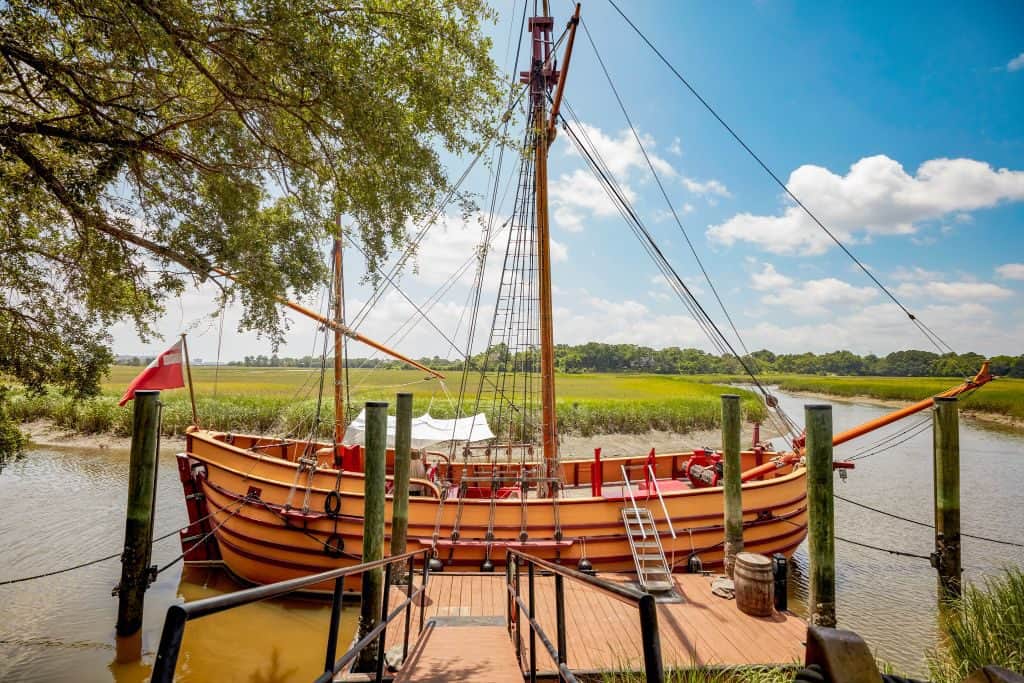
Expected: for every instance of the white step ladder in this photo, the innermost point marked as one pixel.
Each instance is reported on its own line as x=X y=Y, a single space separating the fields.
x=652 y=568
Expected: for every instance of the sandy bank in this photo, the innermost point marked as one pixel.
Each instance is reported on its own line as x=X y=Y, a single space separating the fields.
x=44 y=433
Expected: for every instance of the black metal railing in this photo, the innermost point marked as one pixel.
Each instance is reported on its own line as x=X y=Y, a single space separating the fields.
x=179 y=615
x=515 y=606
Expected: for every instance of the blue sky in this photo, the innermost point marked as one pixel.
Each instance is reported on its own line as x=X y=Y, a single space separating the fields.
x=901 y=125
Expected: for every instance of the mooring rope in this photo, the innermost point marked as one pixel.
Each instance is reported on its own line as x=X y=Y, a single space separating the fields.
x=100 y=559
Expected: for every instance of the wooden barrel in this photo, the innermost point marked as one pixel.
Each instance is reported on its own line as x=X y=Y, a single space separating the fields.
x=754 y=584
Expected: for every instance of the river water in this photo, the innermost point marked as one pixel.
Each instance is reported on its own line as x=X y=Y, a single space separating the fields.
x=61 y=507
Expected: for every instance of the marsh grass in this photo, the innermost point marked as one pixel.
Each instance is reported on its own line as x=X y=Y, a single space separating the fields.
x=985 y=626
x=283 y=401
x=1003 y=396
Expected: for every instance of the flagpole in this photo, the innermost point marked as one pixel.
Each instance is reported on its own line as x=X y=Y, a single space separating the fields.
x=191 y=391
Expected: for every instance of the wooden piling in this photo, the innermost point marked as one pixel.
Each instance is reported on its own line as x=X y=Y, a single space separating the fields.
x=138 y=531
x=400 y=496
x=732 y=485
x=373 y=528
x=946 y=448
x=821 y=513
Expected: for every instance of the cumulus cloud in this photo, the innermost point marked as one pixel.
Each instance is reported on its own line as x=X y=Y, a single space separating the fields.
x=707 y=187
x=1011 y=271
x=768 y=279
x=1016 y=64
x=876 y=197
x=578 y=195
x=815 y=297
x=955 y=291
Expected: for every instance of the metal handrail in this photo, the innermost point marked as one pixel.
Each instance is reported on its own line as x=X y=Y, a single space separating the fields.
x=178 y=615
x=629 y=489
x=515 y=605
x=664 y=508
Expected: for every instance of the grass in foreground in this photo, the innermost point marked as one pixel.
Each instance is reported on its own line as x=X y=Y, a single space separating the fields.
x=749 y=674
x=283 y=401
x=986 y=626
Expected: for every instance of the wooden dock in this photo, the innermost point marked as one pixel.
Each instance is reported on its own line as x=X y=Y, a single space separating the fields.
x=467 y=633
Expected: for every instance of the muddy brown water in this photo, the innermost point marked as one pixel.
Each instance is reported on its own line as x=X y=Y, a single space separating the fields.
x=65 y=506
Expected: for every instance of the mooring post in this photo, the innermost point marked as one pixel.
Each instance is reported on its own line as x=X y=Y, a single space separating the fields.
x=732 y=471
x=821 y=514
x=946 y=446
x=400 y=496
x=373 y=528
x=138 y=528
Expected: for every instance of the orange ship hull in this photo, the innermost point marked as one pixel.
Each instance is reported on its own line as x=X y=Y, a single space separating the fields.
x=254 y=501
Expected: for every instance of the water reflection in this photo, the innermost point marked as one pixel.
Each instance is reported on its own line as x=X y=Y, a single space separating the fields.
x=66 y=506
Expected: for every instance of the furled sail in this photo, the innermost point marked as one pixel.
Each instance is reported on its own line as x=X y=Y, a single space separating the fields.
x=427 y=430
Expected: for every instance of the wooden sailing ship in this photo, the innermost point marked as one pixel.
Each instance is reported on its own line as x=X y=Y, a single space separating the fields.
x=274 y=508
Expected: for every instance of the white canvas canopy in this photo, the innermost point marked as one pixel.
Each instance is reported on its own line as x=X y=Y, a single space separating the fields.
x=427 y=430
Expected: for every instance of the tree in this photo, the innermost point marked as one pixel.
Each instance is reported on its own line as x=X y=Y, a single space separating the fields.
x=144 y=143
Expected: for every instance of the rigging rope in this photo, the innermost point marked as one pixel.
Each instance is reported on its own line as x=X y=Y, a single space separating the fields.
x=699 y=313
x=100 y=559
x=664 y=193
x=925 y=524
x=929 y=334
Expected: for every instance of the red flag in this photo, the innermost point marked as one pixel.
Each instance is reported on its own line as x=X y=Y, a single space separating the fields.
x=163 y=373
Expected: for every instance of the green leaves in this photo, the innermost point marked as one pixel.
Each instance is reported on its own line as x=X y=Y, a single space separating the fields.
x=174 y=136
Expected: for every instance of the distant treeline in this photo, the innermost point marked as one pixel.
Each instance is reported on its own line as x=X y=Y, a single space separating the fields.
x=595 y=357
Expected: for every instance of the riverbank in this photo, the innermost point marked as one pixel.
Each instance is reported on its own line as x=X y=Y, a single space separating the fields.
x=47 y=434
x=283 y=401
x=998 y=404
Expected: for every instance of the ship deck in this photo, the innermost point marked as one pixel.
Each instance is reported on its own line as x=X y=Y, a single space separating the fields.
x=466 y=632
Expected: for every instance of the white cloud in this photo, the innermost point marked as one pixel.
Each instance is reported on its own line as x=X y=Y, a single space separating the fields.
x=956 y=291
x=915 y=273
x=559 y=252
x=706 y=188
x=881 y=328
x=1011 y=271
x=769 y=279
x=876 y=197
x=1016 y=64
x=676 y=147
x=687 y=208
x=814 y=297
x=622 y=153
x=624 y=322
x=577 y=195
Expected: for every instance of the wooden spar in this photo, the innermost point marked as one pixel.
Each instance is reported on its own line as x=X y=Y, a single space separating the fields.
x=983 y=377
x=339 y=342
x=188 y=372
x=556 y=103
x=549 y=420
x=344 y=329
x=539 y=78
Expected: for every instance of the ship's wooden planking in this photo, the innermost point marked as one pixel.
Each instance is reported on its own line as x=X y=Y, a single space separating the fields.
x=602 y=632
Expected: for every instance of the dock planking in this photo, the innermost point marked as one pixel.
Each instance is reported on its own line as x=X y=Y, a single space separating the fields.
x=603 y=633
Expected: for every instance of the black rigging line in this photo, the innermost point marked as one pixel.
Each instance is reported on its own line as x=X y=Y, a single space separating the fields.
x=928 y=333
x=924 y=524
x=411 y=247
x=661 y=262
x=661 y=186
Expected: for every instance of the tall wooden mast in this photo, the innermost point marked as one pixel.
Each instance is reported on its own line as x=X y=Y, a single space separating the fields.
x=339 y=341
x=542 y=77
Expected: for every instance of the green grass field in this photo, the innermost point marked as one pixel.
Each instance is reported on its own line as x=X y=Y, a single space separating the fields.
x=283 y=400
